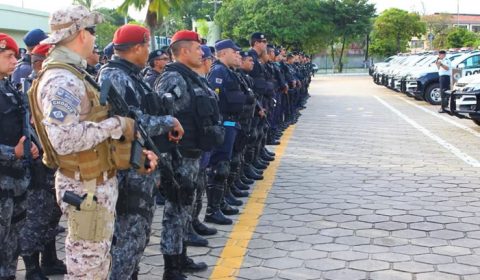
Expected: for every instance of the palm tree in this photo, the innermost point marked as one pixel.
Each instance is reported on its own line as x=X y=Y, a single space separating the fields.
x=86 y=3
x=157 y=10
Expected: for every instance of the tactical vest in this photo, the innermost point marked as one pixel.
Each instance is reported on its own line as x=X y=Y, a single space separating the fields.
x=94 y=163
x=11 y=113
x=232 y=100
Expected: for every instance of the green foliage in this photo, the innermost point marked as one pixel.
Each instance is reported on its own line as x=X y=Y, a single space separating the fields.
x=461 y=37
x=202 y=27
x=105 y=33
x=393 y=29
x=86 y=3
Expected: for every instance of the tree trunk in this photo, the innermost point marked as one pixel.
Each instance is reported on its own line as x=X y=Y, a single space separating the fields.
x=340 y=63
x=332 y=53
x=152 y=38
x=367 y=46
x=398 y=43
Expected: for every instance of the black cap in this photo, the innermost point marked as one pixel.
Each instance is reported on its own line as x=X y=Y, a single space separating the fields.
x=154 y=54
x=258 y=36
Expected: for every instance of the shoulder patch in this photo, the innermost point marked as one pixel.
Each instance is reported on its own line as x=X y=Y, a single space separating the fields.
x=63 y=104
x=218 y=80
x=68 y=97
x=57 y=114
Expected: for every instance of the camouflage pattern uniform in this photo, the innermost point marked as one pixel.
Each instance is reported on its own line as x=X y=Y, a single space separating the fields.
x=135 y=206
x=12 y=193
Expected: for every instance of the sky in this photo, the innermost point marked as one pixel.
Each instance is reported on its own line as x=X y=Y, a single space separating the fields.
x=421 y=6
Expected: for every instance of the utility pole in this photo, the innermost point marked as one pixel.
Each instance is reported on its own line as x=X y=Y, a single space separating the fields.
x=215 y=2
x=458 y=13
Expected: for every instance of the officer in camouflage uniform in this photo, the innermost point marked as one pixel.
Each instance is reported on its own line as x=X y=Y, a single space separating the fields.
x=192 y=104
x=157 y=60
x=135 y=205
x=14 y=174
x=43 y=213
x=79 y=138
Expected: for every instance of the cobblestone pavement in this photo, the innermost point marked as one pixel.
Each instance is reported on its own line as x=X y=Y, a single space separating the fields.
x=373 y=185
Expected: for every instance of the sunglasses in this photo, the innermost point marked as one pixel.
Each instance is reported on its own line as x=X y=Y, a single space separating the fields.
x=91 y=29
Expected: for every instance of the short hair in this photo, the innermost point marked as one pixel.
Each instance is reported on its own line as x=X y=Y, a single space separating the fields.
x=442 y=52
x=177 y=46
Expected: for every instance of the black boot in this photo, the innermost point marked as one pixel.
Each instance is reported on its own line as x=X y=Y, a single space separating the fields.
x=244 y=179
x=236 y=192
x=33 y=267
x=228 y=210
x=51 y=265
x=241 y=186
x=193 y=239
x=249 y=173
x=172 y=269
x=259 y=165
x=214 y=214
x=202 y=229
x=267 y=151
x=230 y=198
x=188 y=265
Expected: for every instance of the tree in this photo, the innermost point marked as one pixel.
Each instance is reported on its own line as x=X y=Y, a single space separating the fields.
x=393 y=29
x=86 y=3
x=293 y=24
x=157 y=10
x=461 y=37
x=349 y=20
x=438 y=25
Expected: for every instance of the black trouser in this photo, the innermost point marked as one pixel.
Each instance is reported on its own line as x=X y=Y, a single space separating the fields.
x=444 y=85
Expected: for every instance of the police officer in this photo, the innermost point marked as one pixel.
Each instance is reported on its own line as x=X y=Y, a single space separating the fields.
x=231 y=101
x=157 y=60
x=188 y=98
x=43 y=213
x=14 y=175
x=264 y=90
x=197 y=227
x=135 y=205
x=79 y=139
x=24 y=68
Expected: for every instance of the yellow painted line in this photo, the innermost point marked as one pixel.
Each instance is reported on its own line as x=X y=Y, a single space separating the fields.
x=231 y=259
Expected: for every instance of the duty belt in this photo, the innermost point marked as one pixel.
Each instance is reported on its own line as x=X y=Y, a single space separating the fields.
x=102 y=178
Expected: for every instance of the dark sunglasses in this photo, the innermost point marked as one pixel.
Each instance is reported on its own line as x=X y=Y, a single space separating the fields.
x=91 y=29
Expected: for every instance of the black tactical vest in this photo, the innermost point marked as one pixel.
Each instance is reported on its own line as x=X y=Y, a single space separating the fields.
x=11 y=111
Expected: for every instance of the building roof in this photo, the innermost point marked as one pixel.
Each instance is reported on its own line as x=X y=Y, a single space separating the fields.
x=464 y=18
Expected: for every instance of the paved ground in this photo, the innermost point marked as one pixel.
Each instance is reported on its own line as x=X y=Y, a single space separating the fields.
x=372 y=185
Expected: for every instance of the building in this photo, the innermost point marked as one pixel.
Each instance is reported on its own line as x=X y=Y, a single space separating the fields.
x=16 y=21
x=470 y=22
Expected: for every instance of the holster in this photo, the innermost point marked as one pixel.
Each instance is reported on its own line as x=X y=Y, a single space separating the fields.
x=92 y=221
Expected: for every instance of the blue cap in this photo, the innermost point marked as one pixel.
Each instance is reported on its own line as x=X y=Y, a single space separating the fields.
x=245 y=54
x=226 y=44
x=34 y=37
x=207 y=53
x=108 y=50
x=154 y=54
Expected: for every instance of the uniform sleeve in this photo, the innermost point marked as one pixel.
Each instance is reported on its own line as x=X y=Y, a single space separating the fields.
x=217 y=80
x=154 y=125
x=173 y=83
x=61 y=97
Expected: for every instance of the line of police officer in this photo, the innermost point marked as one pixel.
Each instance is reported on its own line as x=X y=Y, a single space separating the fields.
x=209 y=119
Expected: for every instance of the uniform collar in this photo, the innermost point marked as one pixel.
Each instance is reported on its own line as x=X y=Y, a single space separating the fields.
x=66 y=55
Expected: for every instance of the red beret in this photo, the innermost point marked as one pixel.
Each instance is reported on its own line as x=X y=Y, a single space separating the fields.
x=8 y=43
x=131 y=34
x=185 y=35
x=41 y=50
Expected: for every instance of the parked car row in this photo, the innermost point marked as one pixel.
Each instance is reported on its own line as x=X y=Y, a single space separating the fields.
x=416 y=75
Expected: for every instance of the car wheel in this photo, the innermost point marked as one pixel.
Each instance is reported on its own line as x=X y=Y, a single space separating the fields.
x=432 y=94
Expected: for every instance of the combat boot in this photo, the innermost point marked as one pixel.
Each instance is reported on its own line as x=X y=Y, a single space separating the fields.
x=228 y=210
x=213 y=213
x=241 y=186
x=267 y=151
x=193 y=239
x=244 y=179
x=135 y=274
x=202 y=229
x=236 y=192
x=250 y=173
x=188 y=265
x=32 y=267
x=51 y=265
x=172 y=269
x=230 y=199
x=259 y=165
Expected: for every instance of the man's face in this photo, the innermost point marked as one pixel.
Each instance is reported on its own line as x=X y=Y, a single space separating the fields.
x=89 y=42
x=247 y=64
x=442 y=55
x=161 y=61
x=7 y=62
x=194 y=55
x=231 y=57
x=143 y=51
x=262 y=45
x=94 y=58
x=271 y=54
